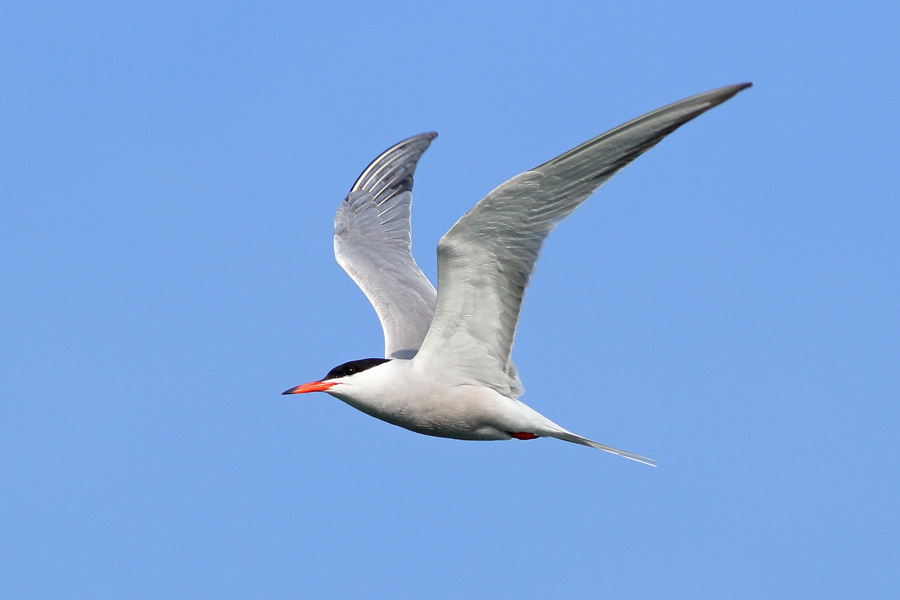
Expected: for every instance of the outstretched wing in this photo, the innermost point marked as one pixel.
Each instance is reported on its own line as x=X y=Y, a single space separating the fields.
x=486 y=259
x=372 y=244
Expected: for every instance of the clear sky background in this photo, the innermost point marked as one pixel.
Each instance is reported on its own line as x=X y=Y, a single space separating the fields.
x=728 y=305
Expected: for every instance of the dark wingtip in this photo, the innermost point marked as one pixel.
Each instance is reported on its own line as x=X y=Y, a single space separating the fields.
x=725 y=93
x=393 y=169
x=732 y=90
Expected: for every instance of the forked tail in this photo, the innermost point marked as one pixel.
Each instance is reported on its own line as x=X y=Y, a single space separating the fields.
x=577 y=439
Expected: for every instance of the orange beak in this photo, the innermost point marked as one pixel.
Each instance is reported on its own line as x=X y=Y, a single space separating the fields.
x=315 y=386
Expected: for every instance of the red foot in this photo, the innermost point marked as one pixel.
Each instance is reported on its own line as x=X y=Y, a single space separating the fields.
x=524 y=435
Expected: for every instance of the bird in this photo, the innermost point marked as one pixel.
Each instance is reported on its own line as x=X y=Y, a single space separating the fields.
x=447 y=368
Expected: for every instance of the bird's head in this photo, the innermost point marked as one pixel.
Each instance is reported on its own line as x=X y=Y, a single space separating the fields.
x=339 y=374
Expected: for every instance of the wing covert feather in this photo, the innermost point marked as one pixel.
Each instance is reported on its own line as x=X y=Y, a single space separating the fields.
x=487 y=258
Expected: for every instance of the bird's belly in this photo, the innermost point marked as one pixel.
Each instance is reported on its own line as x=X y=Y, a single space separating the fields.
x=459 y=412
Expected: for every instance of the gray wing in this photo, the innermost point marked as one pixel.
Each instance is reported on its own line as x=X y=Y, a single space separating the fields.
x=486 y=259
x=372 y=244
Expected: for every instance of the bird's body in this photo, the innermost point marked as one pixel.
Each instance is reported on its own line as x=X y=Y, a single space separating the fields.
x=433 y=407
x=447 y=369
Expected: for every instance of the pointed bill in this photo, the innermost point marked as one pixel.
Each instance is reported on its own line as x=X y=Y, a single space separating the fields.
x=313 y=386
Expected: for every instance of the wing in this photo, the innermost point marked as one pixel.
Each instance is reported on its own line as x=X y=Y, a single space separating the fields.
x=372 y=244
x=486 y=259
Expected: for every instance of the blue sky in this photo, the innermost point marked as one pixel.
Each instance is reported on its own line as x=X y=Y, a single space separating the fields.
x=727 y=305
